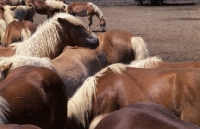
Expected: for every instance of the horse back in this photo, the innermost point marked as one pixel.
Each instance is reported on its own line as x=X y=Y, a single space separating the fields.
x=79 y=9
x=143 y=115
x=36 y=95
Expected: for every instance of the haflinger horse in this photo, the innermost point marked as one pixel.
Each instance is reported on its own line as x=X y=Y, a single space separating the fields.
x=87 y=9
x=120 y=46
x=18 y=31
x=142 y=115
x=33 y=95
x=156 y=62
x=52 y=36
x=118 y=86
x=18 y=12
x=47 y=7
x=73 y=65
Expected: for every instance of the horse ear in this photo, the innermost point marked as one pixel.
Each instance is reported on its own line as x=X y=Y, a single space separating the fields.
x=61 y=20
x=6 y=66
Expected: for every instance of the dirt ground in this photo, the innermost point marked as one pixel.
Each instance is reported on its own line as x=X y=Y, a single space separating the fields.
x=171 y=32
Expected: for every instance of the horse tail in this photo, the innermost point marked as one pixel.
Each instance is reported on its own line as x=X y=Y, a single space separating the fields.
x=149 y=62
x=96 y=120
x=4 y=109
x=25 y=34
x=33 y=11
x=140 y=48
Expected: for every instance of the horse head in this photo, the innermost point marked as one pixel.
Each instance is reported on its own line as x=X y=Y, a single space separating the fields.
x=76 y=34
x=102 y=23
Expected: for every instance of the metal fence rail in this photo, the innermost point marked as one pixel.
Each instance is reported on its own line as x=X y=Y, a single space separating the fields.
x=132 y=2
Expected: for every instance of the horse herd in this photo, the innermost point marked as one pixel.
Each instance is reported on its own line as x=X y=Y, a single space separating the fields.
x=63 y=76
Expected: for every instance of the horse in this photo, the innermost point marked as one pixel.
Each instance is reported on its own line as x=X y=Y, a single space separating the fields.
x=47 y=7
x=120 y=46
x=143 y=115
x=156 y=62
x=18 y=12
x=18 y=31
x=87 y=9
x=16 y=126
x=36 y=96
x=118 y=85
x=73 y=65
x=52 y=36
x=7 y=64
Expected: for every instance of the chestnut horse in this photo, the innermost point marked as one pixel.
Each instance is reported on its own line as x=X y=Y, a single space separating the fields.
x=156 y=62
x=35 y=95
x=73 y=65
x=47 y=7
x=52 y=36
x=118 y=85
x=87 y=9
x=18 y=31
x=119 y=46
x=141 y=115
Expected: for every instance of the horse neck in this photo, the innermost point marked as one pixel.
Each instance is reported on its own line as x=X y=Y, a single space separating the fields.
x=45 y=42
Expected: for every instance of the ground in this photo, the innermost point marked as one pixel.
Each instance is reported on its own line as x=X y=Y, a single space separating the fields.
x=170 y=32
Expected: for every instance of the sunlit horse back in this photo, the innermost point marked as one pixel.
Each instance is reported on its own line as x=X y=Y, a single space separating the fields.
x=52 y=36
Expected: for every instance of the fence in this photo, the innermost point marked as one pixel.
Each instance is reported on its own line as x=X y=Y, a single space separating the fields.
x=132 y=2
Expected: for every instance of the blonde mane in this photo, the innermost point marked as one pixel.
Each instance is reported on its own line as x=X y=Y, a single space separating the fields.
x=55 y=4
x=96 y=9
x=150 y=62
x=3 y=111
x=18 y=61
x=45 y=40
x=80 y=105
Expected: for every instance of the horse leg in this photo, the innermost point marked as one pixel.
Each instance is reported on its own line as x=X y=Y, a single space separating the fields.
x=89 y=21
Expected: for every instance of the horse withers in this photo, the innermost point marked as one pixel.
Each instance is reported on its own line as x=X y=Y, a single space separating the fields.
x=142 y=115
x=87 y=9
x=33 y=95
